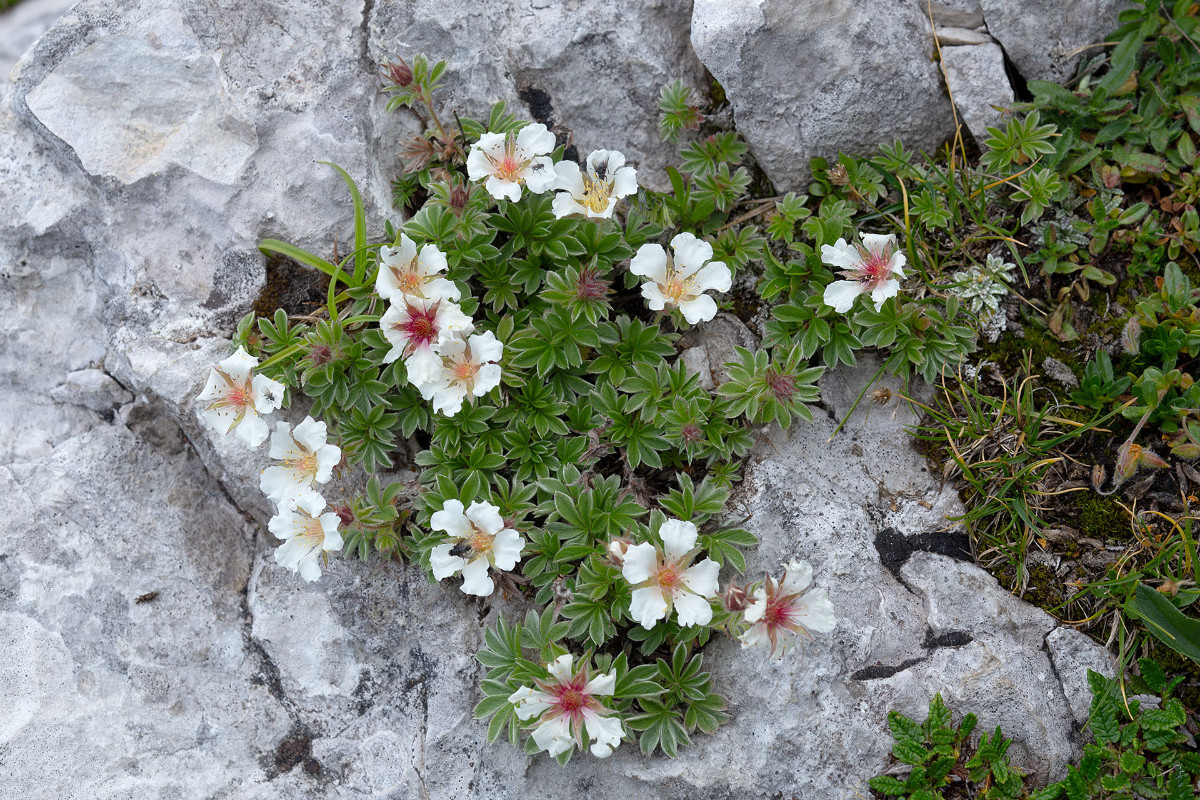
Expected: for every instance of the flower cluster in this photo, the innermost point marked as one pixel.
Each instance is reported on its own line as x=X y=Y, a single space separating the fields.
x=427 y=328
x=234 y=399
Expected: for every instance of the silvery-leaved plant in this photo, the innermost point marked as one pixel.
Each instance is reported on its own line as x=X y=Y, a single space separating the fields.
x=507 y=348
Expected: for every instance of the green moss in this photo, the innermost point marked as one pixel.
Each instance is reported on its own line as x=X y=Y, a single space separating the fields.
x=1010 y=352
x=717 y=93
x=1100 y=517
x=1044 y=588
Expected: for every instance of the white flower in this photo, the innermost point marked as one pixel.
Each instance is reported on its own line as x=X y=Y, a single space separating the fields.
x=406 y=272
x=594 y=193
x=414 y=327
x=234 y=397
x=508 y=160
x=479 y=539
x=307 y=534
x=467 y=371
x=681 y=283
x=871 y=267
x=568 y=706
x=782 y=611
x=664 y=578
x=306 y=458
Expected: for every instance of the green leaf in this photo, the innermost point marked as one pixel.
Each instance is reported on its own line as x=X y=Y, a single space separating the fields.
x=297 y=254
x=1167 y=623
x=360 y=227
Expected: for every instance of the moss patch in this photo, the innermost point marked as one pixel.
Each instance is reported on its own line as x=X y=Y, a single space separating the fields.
x=1100 y=517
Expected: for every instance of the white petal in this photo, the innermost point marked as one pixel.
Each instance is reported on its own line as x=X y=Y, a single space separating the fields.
x=475 y=578
x=797 y=576
x=714 y=277
x=486 y=517
x=442 y=563
x=609 y=160
x=278 y=483
x=842 y=294
x=478 y=166
x=451 y=519
x=486 y=379
x=506 y=549
x=883 y=291
x=560 y=668
x=605 y=731
x=896 y=264
x=430 y=260
x=655 y=299
x=841 y=254
x=529 y=702
x=755 y=636
x=328 y=457
x=625 y=182
x=554 y=736
x=282 y=524
x=422 y=366
x=503 y=189
x=239 y=365
x=267 y=394
x=540 y=175
x=876 y=243
x=678 y=538
x=283 y=445
x=699 y=309
x=221 y=419
x=568 y=177
x=535 y=140
x=604 y=684
x=447 y=398
x=641 y=561
x=758 y=606
x=647 y=606
x=450 y=321
x=309 y=501
x=702 y=578
x=252 y=430
x=311 y=433
x=650 y=261
x=816 y=612
x=486 y=347
x=333 y=537
x=564 y=205
x=691 y=609
x=690 y=253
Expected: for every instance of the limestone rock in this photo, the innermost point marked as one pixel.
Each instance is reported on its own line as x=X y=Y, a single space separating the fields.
x=842 y=76
x=1042 y=37
x=91 y=388
x=593 y=66
x=1074 y=654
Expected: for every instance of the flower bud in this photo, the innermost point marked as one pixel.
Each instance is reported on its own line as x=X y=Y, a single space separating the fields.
x=400 y=74
x=1127 y=462
x=1131 y=336
x=345 y=514
x=616 y=550
x=735 y=598
x=1186 y=450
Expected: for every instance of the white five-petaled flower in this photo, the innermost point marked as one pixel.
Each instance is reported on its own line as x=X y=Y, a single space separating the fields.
x=478 y=533
x=779 y=612
x=681 y=283
x=414 y=327
x=569 y=707
x=666 y=578
x=508 y=160
x=234 y=397
x=593 y=193
x=306 y=534
x=406 y=272
x=873 y=266
x=468 y=370
x=306 y=458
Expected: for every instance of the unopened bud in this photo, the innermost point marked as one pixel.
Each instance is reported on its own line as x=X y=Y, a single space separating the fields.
x=735 y=598
x=838 y=175
x=1186 y=450
x=345 y=514
x=1131 y=457
x=617 y=549
x=1131 y=336
x=459 y=197
x=400 y=74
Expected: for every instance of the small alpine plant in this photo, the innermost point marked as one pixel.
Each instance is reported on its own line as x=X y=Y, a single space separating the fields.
x=516 y=344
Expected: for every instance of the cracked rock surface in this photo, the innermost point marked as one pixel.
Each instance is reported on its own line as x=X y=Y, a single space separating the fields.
x=153 y=649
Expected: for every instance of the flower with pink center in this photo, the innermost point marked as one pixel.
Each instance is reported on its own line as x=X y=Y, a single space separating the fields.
x=508 y=160
x=406 y=272
x=415 y=327
x=234 y=397
x=468 y=370
x=478 y=539
x=568 y=709
x=665 y=578
x=304 y=458
x=781 y=611
x=873 y=266
x=594 y=193
x=307 y=534
x=681 y=282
